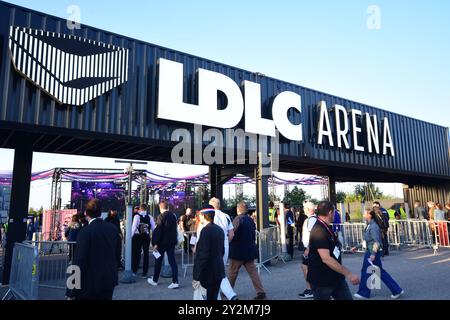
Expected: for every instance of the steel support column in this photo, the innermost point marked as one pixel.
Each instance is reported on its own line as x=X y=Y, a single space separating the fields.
x=332 y=190
x=215 y=182
x=262 y=194
x=20 y=196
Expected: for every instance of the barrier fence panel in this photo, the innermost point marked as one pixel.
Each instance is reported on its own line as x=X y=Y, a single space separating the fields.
x=441 y=233
x=23 y=280
x=269 y=246
x=54 y=259
x=2 y=251
x=412 y=233
x=395 y=234
x=352 y=235
x=187 y=257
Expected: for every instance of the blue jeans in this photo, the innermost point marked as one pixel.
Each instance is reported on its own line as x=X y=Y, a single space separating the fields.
x=385 y=277
x=338 y=292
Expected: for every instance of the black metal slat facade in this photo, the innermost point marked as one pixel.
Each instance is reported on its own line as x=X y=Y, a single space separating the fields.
x=128 y=113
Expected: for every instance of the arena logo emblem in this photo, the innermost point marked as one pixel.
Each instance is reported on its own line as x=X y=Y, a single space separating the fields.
x=71 y=69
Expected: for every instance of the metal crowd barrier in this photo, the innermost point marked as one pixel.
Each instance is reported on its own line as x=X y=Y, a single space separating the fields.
x=441 y=233
x=352 y=235
x=410 y=233
x=24 y=277
x=54 y=259
x=418 y=233
x=187 y=259
x=269 y=246
x=2 y=253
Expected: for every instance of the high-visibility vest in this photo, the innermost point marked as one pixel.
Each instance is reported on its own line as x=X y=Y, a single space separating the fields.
x=391 y=213
x=272 y=213
x=403 y=214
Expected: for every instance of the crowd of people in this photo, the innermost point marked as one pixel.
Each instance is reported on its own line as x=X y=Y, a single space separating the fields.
x=218 y=242
x=222 y=246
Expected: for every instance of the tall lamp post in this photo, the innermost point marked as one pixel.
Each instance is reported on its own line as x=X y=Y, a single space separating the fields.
x=128 y=276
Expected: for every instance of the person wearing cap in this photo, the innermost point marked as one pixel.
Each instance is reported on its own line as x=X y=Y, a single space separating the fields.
x=209 y=269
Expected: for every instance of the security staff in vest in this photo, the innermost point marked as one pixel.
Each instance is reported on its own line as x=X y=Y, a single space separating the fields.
x=401 y=212
x=143 y=223
x=96 y=256
x=377 y=205
x=209 y=270
x=326 y=274
x=272 y=214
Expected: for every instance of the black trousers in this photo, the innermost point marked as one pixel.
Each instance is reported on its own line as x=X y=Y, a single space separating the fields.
x=140 y=242
x=119 y=252
x=186 y=244
x=212 y=291
x=173 y=264
x=340 y=291
x=290 y=242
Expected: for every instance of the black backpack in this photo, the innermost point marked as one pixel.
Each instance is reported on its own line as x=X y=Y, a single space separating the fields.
x=144 y=225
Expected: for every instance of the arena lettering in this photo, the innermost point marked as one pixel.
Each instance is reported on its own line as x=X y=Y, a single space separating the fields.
x=364 y=131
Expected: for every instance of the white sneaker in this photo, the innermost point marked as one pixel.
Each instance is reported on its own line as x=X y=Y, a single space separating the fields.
x=358 y=296
x=151 y=282
x=396 y=296
x=173 y=286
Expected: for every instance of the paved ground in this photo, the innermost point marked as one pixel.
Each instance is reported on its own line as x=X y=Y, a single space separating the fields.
x=422 y=275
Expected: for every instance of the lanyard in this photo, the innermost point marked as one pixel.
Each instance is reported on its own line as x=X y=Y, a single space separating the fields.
x=327 y=227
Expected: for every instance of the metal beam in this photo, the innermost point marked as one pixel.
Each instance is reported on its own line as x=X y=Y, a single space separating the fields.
x=20 y=195
x=262 y=194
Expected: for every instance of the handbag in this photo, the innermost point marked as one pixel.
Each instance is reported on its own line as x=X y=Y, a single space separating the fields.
x=200 y=293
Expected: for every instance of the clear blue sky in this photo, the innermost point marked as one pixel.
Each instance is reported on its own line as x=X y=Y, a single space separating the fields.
x=403 y=67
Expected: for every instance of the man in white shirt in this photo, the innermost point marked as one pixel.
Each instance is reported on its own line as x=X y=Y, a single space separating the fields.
x=224 y=221
x=143 y=223
x=309 y=223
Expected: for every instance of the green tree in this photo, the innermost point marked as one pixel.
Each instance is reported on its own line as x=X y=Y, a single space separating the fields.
x=233 y=201
x=340 y=197
x=273 y=196
x=296 y=196
x=368 y=192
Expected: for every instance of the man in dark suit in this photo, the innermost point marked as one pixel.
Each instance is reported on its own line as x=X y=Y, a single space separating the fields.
x=96 y=256
x=209 y=269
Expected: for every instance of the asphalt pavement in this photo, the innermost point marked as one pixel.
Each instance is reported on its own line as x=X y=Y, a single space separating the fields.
x=422 y=274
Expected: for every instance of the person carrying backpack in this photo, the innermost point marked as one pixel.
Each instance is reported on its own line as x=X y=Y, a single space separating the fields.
x=143 y=223
x=383 y=219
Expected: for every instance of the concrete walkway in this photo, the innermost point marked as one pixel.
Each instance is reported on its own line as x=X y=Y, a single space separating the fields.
x=423 y=276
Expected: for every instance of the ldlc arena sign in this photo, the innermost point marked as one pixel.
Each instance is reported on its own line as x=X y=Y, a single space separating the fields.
x=351 y=129
x=75 y=70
